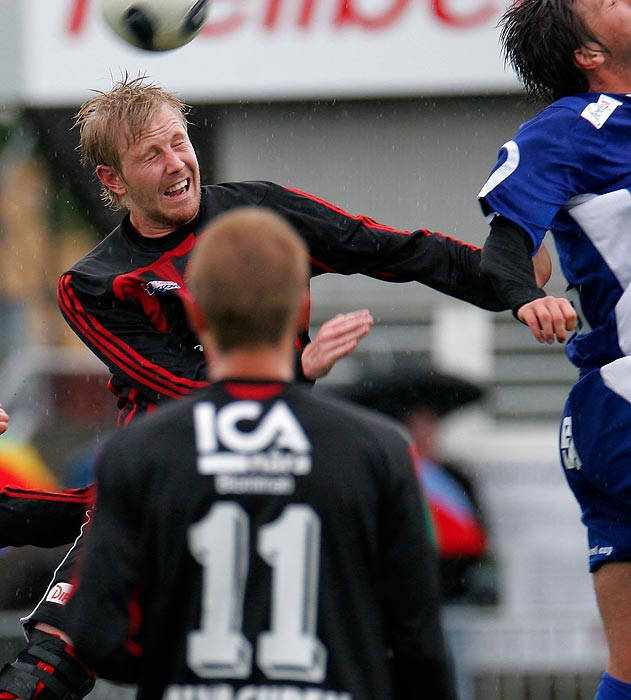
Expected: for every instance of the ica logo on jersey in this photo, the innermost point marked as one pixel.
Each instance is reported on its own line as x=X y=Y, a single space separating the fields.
x=240 y=439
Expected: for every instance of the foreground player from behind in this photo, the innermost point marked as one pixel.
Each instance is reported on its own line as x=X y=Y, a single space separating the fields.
x=567 y=170
x=299 y=561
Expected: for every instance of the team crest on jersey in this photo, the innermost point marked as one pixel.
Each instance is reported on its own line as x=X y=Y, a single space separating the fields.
x=239 y=439
x=161 y=286
x=597 y=113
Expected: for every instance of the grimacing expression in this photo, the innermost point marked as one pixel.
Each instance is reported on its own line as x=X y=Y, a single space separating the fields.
x=160 y=175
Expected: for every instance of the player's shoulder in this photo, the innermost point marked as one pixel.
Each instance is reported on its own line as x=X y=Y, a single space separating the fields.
x=102 y=258
x=224 y=195
x=144 y=451
x=585 y=111
x=315 y=410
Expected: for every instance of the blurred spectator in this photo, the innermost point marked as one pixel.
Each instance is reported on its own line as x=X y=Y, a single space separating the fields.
x=420 y=397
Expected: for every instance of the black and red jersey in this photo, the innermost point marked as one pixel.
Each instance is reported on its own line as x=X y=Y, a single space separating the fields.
x=124 y=299
x=257 y=540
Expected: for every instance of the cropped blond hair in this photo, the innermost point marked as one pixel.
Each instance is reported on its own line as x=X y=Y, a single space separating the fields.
x=248 y=274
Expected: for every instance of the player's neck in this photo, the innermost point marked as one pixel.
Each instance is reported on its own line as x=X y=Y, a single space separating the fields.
x=610 y=82
x=256 y=363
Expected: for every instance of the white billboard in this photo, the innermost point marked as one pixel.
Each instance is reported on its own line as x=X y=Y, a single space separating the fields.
x=273 y=49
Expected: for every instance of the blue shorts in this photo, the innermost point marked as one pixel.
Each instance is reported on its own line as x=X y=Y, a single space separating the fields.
x=595 y=447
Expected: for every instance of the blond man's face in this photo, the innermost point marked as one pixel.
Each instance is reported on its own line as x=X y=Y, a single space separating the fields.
x=159 y=175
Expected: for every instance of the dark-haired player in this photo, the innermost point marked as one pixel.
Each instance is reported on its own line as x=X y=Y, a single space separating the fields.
x=567 y=170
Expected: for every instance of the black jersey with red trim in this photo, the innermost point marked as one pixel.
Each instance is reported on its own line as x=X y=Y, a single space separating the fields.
x=258 y=540
x=42 y=518
x=124 y=299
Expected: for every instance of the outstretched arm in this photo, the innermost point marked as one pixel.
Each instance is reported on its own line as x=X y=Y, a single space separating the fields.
x=42 y=518
x=351 y=244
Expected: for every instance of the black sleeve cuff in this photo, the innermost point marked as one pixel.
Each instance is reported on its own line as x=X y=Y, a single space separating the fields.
x=507 y=262
x=302 y=340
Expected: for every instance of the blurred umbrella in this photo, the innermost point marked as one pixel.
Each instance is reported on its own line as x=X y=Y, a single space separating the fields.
x=406 y=383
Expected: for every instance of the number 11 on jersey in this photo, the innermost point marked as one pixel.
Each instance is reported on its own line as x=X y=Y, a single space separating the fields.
x=290 y=545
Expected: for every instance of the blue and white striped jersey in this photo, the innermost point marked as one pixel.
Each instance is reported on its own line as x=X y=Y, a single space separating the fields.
x=568 y=171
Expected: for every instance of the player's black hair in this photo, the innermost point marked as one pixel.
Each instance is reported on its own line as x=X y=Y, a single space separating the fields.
x=539 y=38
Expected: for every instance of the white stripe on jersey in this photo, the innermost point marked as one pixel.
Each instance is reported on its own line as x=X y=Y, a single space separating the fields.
x=617 y=377
x=606 y=221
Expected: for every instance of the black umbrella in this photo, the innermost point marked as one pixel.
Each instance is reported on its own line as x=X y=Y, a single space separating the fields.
x=405 y=384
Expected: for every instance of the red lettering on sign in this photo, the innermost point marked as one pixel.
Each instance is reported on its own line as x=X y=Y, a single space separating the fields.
x=226 y=25
x=305 y=15
x=78 y=10
x=485 y=11
x=348 y=13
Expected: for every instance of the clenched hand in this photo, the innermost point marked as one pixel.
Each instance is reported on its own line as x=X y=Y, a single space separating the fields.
x=549 y=318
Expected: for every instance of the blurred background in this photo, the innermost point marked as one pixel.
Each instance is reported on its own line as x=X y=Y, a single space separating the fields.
x=395 y=109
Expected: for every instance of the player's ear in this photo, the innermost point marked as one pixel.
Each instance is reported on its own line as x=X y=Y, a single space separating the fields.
x=111 y=179
x=589 y=57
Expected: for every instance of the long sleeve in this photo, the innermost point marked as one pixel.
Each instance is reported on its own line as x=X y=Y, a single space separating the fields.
x=347 y=244
x=506 y=260
x=42 y=518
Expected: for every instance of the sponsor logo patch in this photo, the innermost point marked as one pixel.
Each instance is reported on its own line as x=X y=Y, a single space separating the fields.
x=60 y=593
x=161 y=286
x=597 y=113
